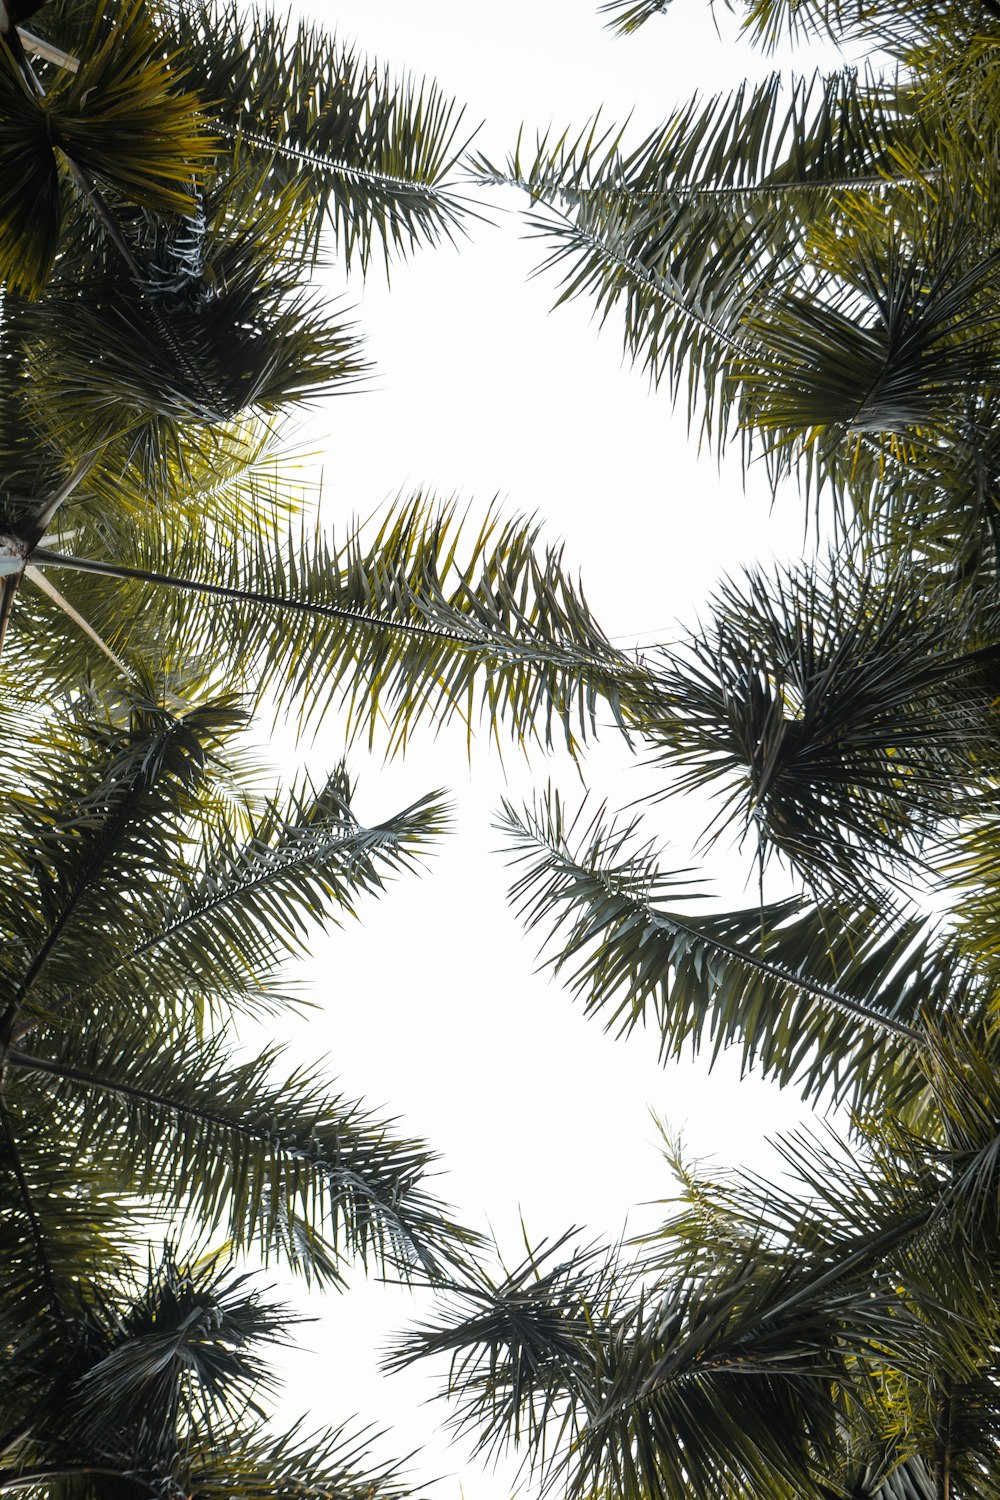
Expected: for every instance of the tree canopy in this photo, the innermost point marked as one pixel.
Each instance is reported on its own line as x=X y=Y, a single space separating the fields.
x=811 y=266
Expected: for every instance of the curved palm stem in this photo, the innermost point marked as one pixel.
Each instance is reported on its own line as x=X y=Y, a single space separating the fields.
x=46 y=515
x=328 y=163
x=844 y=1003
x=40 y=581
x=24 y=1189
x=43 y=558
x=34 y=1064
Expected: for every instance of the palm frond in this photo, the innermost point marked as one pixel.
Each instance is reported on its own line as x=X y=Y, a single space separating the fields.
x=87 y=849
x=266 y=1161
x=220 y=925
x=54 y=1243
x=626 y=16
x=332 y=1465
x=831 y=998
x=702 y=224
x=842 y=715
x=398 y=626
x=178 y=1355
x=523 y=1346
x=131 y=362
x=374 y=155
x=123 y=116
x=871 y=347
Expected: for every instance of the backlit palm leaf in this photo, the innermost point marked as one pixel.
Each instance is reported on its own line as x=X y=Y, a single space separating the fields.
x=397 y=625
x=829 y=997
x=285 y=1166
x=124 y=117
x=840 y=715
x=373 y=154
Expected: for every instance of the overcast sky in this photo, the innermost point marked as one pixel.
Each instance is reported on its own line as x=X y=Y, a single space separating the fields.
x=431 y=1008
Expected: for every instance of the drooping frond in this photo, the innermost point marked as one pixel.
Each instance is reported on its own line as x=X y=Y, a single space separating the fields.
x=219 y=927
x=288 y=1167
x=830 y=997
x=523 y=1346
x=162 y=1359
x=693 y=230
x=841 y=715
x=372 y=153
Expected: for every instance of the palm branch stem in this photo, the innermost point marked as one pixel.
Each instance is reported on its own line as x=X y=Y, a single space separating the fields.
x=942 y=1446
x=44 y=518
x=102 y=212
x=327 y=163
x=688 y=192
x=841 y=1002
x=24 y=1189
x=8 y=590
x=12 y=36
x=178 y=1107
x=40 y=581
x=644 y=278
x=41 y=557
x=638 y=274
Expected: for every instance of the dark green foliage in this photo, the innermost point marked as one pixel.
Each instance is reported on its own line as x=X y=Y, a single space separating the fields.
x=815 y=265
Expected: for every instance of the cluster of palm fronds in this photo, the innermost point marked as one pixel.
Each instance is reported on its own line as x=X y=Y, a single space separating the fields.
x=165 y=176
x=819 y=261
x=815 y=264
x=168 y=176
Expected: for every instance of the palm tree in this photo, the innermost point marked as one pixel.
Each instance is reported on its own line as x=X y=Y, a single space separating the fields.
x=168 y=171
x=150 y=896
x=827 y=1335
x=814 y=259
x=155 y=1388
x=156 y=460
x=816 y=263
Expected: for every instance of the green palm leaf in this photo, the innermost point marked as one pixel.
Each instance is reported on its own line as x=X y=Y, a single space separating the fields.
x=398 y=626
x=701 y=224
x=80 y=855
x=523 y=1346
x=220 y=926
x=841 y=714
x=123 y=117
x=265 y=1161
x=192 y=339
x=831 y=998
x=374 y=155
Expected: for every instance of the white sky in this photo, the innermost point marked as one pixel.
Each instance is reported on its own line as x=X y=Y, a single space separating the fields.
x=430 y=1009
